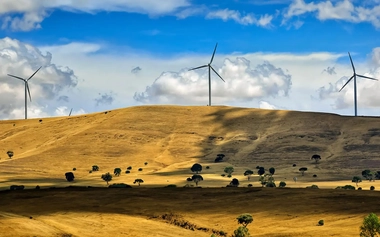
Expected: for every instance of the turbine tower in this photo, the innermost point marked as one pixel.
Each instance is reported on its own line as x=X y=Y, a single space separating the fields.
x=27 y=91
x=209 y=74
x=354 y=76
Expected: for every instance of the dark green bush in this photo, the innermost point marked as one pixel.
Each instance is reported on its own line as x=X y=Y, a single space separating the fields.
x=127 y=172
x=372 y=188
x=74 y=169
x=171 y=186
x=282 y=184
x=120 y=185
x=140 y=169
x=321 y=222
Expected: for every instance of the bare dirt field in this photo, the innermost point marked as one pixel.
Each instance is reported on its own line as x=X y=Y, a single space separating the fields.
x=171 y=139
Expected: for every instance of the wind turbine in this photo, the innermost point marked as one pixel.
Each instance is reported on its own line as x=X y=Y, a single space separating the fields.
x=354 y=76
x=209 y=74
x=27 y=91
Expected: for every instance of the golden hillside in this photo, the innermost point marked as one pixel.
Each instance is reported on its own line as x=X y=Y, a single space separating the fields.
x=172 y=138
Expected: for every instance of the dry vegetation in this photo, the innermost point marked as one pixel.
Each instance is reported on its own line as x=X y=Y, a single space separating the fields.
x=170 y=139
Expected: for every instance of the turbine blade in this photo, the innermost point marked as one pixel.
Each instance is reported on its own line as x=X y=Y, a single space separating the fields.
x=198 y=67
x=27 y=87
x=217 y=74
x=371 y=78
x=16 y=77
x=213 y=54
x=71 y=111
x=347 y=82
x=352 y=63
x=34 y=73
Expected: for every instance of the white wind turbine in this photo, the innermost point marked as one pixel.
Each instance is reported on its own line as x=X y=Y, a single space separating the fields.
x=27 y=91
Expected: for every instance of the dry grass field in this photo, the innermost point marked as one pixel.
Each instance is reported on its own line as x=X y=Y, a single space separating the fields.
x=171 y=139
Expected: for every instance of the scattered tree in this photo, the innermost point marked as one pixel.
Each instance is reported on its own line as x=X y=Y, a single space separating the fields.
x=302 y=170
x=367 y=174
x=370 y=226
x=196 y=168
x=10 y=154
x=95 y=168
x=229 y=170
x=117 y=171
x=248 y=173
x=219 y=158
x=321 y=222
x=261 y=171
x=282 y=184
x=234 y=182
x=69 y=176
x=197 y=178
x=272 y=170
x=316 y=158
x=377 y=175
x=138 y=181
x=245 y=219
x=356 y=179
x=107 y=177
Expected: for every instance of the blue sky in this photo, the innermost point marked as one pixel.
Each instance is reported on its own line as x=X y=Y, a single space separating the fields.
x=100 y=55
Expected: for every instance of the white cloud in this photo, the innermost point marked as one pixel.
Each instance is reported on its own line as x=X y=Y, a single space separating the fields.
x=47 y=85
x=336 y=10
x=243 y=83
x=34 y=12
x=266 y=105
x=248 y=19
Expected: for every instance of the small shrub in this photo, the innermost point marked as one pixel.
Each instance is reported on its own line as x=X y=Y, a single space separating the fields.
x=314 y=186
x=257 y=167
x=250 y=185
x=171 y=186
x=40 y=120
x=38 y=187
x=314 y=176
x=207 y=167
x=372 y=188
x=242 y=231
x=146 y=163
x=189 y=179
x=321 y=222
x=140 y=169
x=129 y=168
x=229 y=175
x=270 y=185
x=74 y=169
x=282 y=184
x=95 y=168
x=10 y=154
x=223 y=175
x=90 y=171
x=69 y=176
x=120 y=185
x=294 y=165
x=360 y=188
x=127 y=171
